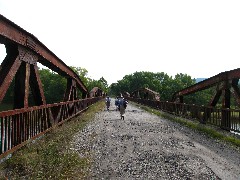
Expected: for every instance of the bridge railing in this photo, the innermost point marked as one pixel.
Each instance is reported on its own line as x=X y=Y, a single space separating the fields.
x=228 y=119
x=19 y=126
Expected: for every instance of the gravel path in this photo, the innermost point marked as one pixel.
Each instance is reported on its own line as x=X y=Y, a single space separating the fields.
x=144 y=146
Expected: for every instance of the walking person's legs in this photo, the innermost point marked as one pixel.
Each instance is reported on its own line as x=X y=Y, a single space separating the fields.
x=122 y=111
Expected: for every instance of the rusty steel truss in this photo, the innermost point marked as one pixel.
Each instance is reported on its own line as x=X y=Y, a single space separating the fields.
x=146 y=93
x=96 y=92
x=23 y=52
x=25 y=123
x=225 y=82
x=226 y=118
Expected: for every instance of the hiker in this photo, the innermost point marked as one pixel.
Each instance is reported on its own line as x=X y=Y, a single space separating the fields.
x=108 y=100
x=122 y=106
x=117 y=103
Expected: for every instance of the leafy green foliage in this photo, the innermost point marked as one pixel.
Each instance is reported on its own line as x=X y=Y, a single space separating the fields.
x=101 y=83
x=54 y=85
x=82 y=73
x=90 y=83
x=166 y=86
x=160 y=82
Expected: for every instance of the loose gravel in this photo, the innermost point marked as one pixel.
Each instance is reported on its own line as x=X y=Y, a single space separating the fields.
x=145 y=146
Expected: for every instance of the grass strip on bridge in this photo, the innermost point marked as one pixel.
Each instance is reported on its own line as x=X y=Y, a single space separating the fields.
x=209 y=130
x=50 y=157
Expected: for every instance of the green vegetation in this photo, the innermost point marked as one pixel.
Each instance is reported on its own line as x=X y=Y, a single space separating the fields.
x=55 y=85
x=166 y=86
x=90 y=83
x=5 y=107
x=208 y=130
x=162 y=83
x=50 y=156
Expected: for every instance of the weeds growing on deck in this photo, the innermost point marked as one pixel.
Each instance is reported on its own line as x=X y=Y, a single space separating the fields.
x=50 y=157
x=195 y=125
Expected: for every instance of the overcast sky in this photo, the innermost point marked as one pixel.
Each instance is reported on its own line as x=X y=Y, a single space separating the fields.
x=115 y=38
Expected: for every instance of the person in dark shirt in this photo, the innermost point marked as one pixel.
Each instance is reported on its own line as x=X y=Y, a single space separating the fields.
x=122 y=106
x=117 y=103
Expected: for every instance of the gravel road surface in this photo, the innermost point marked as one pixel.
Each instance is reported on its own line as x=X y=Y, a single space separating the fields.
x=145 y=146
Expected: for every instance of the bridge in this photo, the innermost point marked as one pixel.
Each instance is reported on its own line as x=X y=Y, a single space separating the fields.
x=22 y=123
x=25 y=122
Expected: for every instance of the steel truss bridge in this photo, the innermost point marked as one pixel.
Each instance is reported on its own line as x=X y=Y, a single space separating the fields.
x=23 y=123
x=26 y=122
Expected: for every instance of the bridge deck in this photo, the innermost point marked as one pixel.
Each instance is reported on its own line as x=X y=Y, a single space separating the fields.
x=146 y=146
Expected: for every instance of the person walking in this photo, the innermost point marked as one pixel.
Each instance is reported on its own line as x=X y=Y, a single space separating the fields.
x=122 y=106
x=117 y=103
x=108 y=101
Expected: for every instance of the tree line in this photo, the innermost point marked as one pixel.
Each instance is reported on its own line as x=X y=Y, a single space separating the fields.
x=54 y=86
x=162 y=83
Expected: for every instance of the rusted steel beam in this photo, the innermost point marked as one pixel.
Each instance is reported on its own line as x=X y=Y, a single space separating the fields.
x=95 y=92
x=36 y=86
x=27 y=75
x=148 y=93
x=236 y=91
x=12 y=33
x=215 y=98
x=224 y=76
x=23 y=110
x=20 y=57
x=21 y=90
x=233 y=74
x=71 y=92
x=8 y=70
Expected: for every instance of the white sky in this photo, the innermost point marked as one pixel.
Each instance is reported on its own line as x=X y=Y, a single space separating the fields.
x=115 y=38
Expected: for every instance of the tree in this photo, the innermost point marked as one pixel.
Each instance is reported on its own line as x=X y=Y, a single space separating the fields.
x=54 y=85
x=82 y=73
x=88 y=82
x=101 y=83
x=160 y=82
